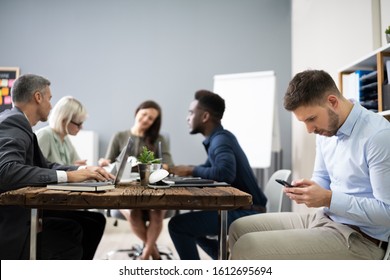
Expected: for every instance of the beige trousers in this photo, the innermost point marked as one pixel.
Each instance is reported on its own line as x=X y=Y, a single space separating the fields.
x=296 y=236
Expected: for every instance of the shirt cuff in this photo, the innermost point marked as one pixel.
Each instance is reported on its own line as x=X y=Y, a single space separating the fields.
x=339 y=203
x=61 y=176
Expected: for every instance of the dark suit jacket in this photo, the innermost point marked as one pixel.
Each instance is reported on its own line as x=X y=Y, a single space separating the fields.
x=21 y=164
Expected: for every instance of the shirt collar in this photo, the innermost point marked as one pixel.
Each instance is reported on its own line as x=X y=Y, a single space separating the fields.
x=56 y=136
x=347 y=127
x=19 y=110
x=207 y=141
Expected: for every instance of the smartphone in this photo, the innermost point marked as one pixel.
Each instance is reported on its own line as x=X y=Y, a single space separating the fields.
x=284 y=183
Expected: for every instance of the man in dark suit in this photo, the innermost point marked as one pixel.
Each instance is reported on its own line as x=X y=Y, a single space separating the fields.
x=65 y=234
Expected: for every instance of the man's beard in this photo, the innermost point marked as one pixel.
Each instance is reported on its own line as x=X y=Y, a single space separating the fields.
x=333 y=126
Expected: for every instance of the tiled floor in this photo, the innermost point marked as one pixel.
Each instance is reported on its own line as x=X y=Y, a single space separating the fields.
x=121 y=237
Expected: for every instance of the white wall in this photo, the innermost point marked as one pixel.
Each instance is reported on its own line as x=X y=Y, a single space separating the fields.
x=385 y=18
x=327 y=35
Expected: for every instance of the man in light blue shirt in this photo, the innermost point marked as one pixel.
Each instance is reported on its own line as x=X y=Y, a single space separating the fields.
x=350 y=184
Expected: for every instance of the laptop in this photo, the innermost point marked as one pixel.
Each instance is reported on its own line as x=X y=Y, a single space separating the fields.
x=102 y=185
x=193 y=182
x=184 y=180
x=160 y=179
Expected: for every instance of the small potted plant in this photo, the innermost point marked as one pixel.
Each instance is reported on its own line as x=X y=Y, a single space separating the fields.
x=147 y=163
x=147 y=156
x=387 y=32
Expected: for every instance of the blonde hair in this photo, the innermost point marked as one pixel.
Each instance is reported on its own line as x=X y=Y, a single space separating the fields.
x=67 y=109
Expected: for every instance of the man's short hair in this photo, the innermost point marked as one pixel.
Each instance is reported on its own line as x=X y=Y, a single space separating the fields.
x=26 y=85
x=309 y=88
x=211 y=102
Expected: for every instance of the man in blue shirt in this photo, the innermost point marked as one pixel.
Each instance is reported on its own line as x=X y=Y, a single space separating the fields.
x=350 y=183
x=226 y=162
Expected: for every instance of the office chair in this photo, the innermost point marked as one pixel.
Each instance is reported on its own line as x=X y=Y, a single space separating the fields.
x=136 y=250
x=274 y=191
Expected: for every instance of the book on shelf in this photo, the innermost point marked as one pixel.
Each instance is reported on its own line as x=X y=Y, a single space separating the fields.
x=351 y=86
x=82 y=187
x=362 y=86
x=388 y=71
x=386 y=97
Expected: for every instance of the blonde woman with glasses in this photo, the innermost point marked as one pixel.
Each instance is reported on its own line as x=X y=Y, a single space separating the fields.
x=66 y=118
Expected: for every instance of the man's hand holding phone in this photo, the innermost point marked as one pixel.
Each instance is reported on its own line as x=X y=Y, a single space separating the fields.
x=307 y=192
x=284 y=183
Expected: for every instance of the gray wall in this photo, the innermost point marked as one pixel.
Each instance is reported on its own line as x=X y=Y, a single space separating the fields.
x=112 y=55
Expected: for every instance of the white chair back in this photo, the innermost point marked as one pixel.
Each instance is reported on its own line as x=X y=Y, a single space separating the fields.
x=274 y=191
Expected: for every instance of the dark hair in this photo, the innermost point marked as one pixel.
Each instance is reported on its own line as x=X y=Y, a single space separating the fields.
x=211 y=102
x=153 y=132
x=309 y=87
x=26 y=85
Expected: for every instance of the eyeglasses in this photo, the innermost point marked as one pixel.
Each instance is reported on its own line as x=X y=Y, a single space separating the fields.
x=79 y=125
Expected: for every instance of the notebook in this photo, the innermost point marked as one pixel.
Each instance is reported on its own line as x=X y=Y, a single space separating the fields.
x=94 y=186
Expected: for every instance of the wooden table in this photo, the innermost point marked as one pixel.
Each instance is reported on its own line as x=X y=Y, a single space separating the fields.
x=131 y=196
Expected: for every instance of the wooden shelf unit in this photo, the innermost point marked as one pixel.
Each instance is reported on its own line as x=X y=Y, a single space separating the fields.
x=375 y=61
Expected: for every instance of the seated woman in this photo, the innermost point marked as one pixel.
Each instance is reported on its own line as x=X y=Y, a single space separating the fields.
x=67 y=117
x=145 y=132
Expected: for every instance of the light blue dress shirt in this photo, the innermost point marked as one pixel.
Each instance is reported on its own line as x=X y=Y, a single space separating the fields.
x=355 y=165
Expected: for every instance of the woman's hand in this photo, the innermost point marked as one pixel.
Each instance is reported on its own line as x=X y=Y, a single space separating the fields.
x=104 y=162
x=80 y=162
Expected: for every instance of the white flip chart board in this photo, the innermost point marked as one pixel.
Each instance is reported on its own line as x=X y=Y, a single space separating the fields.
x=250 y=112
x=86 y=143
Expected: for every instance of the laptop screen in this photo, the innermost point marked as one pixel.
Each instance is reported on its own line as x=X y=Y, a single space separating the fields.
x=123 y=156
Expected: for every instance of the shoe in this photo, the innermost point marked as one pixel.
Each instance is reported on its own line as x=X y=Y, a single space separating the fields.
x=165 y=253
x=136 y=252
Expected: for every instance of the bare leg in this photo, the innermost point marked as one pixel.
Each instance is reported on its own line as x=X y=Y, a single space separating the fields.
x=152 y=233
x=139 y=227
